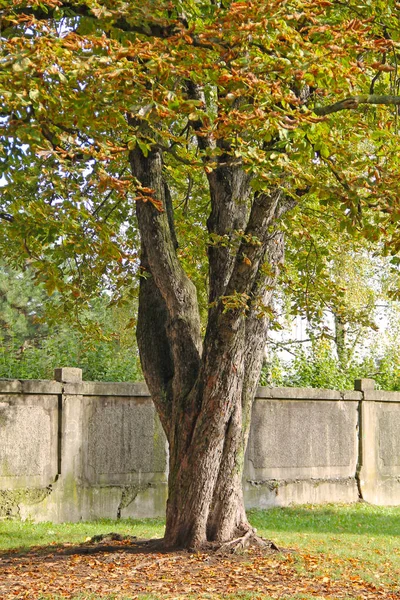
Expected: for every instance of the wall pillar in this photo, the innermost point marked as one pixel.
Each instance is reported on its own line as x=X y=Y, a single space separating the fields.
x=367 y=470
x=71 y=434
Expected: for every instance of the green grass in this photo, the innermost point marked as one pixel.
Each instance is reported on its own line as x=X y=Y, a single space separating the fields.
x=333 y=540
x=24 y=534
x=366 y=536
x=323 y=528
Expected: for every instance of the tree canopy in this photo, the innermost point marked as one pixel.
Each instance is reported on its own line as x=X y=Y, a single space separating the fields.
x=83 y=83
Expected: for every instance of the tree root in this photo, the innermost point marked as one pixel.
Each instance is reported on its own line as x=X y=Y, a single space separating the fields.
x=111 y=537
x=247 y=540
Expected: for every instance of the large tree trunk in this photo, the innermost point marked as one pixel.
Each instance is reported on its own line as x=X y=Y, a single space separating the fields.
x=204 y=391
x=205 y=485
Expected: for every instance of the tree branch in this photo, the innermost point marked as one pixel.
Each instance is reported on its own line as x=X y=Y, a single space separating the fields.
x=71 y=10
x=162 y=264
x=229 y=188
x=355 y=101
x=257 y=319
x=229 y=191
x=266 y=210
x=152 y=338
x=107 y=197
x=6 y=217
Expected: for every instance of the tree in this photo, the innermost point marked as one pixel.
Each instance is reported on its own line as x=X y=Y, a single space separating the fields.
x=336 y=290
x=20 y=309
x=114 y=108
x=34 y=340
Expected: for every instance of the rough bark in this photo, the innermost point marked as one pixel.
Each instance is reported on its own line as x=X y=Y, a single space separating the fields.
x=204 y=393
x=159 y=261
x=206 y=501
x=227 y=517
x=229 y=190
x=155 y=351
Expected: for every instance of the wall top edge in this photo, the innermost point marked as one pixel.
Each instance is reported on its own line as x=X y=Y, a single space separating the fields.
x=381 y=396
x=292 y=393
x=139 y=389
x=100 y=388
x=29 y=386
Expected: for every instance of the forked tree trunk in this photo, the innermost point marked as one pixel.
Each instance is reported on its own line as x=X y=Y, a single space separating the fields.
x=203 y=390
x=205 y=486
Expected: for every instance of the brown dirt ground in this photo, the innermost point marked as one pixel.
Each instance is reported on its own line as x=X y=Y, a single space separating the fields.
x=131 y=568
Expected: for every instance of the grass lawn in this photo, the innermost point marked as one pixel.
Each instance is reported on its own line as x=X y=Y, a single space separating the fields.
x=339 y=551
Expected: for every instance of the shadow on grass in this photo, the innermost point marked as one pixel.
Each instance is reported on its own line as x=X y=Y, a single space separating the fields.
x=357 y=519
x=46 y=538
x=22 y=535
x=53 y=552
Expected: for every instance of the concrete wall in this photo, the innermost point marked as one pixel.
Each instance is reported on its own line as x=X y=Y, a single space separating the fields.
x=303 y=447
x=72 y=450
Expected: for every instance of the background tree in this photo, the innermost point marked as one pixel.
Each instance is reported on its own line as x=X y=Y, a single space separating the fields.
x=34 y=339
x=114 y=108
x=342 y=290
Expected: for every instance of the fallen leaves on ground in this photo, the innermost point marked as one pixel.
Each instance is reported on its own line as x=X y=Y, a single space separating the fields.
x=129 y=568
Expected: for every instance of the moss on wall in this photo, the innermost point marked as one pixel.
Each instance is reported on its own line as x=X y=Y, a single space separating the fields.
x=10 y=500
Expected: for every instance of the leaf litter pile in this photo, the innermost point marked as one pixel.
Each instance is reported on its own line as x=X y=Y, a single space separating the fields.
x=131 y=568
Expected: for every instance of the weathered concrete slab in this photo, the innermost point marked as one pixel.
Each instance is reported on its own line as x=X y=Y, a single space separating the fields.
x=364 y=385
x=389 y=440
x=68 y=375
x=72 y=450
x=31 y=386
x=307 y=439
x=28 y=440
x=307 y=394
x=123 y=440
x=10 y=386
x=66 y=501
x=381 y=396
x=95 y=388
x=272 y=493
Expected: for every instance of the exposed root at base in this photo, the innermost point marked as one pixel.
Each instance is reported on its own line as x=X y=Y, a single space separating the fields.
x=247 y=540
